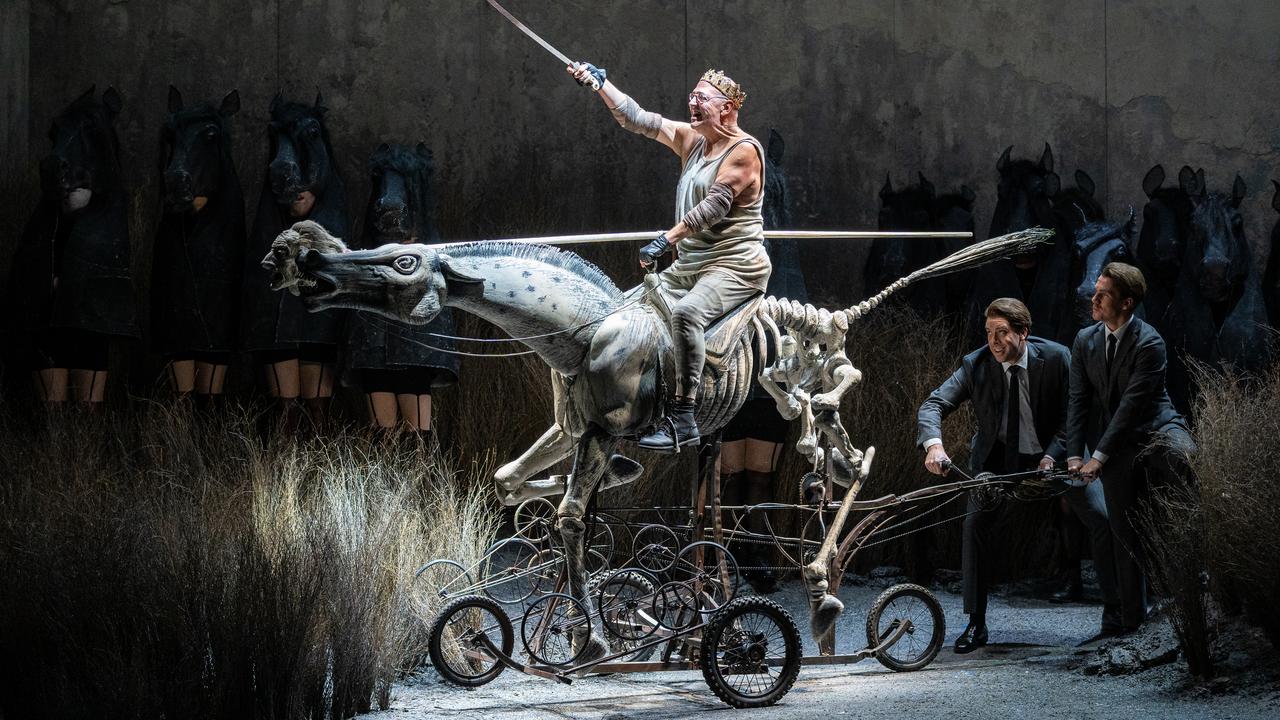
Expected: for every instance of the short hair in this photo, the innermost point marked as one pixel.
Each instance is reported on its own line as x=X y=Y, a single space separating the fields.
x=1013 y=310
x=1127 y=280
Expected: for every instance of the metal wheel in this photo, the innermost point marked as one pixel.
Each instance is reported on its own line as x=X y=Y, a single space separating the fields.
x=920 y=644
x=535 y=520
x=751 y=652
x=443 y=579
x=599 y=545
x=513 y=569
x=675 y=606
x=655 y=548
x=456 y=640
x=552 y=625
x=812 y=533
x=709 y=569
x=625 y=599
x=620 y=536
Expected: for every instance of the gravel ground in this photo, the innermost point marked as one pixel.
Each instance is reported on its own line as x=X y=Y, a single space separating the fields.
x=1033 y=666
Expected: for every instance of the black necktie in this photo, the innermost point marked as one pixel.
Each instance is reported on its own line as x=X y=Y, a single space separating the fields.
x=1111 y=351
x=1013 y=421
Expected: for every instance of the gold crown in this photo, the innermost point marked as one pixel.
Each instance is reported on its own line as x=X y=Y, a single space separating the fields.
x=726 y=85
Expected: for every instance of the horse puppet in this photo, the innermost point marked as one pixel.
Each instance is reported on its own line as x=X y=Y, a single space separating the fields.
x=610 y=354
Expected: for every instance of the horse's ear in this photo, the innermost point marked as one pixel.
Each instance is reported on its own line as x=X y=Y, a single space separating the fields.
x=1003 y=162
x=1201 y=184
x=86 y=96
x=968 y=194
x=1238 y=191
x=230 y=104
x=1187 y=180
x=457 y=283
x=175 y=99
x=276 y=102
x=112 y=101
x=1046 y=159
x=383 y=147
x=1275 y=199
x=1052 y=184
x=1152 y=181
x=1085 y=183
x=887 y=190
x=423 y=151
x=925 y=184
x=319 y=104
x=776 y=147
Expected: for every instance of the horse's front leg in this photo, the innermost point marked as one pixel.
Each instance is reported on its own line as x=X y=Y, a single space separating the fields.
x=594 y=449
x=554 y=446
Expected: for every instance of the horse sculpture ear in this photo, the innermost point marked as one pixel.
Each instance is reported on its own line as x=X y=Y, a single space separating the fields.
x=276 y=102
x=1153 y=180
x=112 y=101
x=457 y=283
x=1275 y=199
x=887 y=190
x=1238 y=191
x=925 y=185
x=1003 y=162
x=1052 y=184
x=1085 y=183
x=230 y=104
x=1187 y=180
x=1046 y=158
x=175 y=99
x=319 y=104
x=1204 y=186
x=423 y=151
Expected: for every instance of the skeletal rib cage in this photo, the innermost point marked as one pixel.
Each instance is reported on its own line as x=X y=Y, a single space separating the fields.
x=669 y=593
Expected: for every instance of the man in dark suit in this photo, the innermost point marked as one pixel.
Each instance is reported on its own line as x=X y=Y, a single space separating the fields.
x=1018 y=385
x=1118 y=406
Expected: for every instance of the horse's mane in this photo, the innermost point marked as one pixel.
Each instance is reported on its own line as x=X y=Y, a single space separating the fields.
x=548 y=254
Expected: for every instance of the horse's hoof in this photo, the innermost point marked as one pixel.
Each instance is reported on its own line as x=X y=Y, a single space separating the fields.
x=823 y=617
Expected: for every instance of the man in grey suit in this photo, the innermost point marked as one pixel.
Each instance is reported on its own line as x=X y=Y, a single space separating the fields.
x=1018 y=385
x=1118 y=406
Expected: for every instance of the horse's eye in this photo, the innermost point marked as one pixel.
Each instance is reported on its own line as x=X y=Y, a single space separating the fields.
x=405 y=264
x=210 y=133
x=313 y=131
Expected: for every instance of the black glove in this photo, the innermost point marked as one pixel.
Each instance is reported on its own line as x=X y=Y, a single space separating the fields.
x=650 y=253
x=595 y=73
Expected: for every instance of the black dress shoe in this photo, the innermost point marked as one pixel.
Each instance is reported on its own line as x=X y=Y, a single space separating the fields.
x=1071 y=592
x=973 y=637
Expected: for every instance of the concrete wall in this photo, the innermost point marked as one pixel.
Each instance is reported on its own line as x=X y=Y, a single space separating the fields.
x=15 y=43
x=857 y=88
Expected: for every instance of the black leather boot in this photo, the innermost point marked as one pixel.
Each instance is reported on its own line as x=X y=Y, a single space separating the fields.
x=675 y=431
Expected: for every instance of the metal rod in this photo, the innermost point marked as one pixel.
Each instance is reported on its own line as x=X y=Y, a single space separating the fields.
x=595 y=238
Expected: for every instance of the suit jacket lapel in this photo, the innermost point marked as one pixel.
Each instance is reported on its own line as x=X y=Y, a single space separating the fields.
x=1123 y=350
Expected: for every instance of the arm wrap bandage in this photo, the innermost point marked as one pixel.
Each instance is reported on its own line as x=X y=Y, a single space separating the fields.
x=713 y=208
x=636 y=119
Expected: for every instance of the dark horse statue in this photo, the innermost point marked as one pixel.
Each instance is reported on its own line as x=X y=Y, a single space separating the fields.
x=1096 y=244
x=398 y=364
x=1166 y=222
x=918 y=207
x=298 y=349
x=1271 y=280
x=1025 y=199
x=1217 y=313
x=71 y=287
x=196 y=273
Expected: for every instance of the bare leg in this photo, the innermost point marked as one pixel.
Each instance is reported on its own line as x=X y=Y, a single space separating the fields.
x=51 y=384
x=594 y=450
x=416 y=410
x=210 y=378
x=89 y=386
x=183 y=375
x=317 y=389
x=382 y=409
x=282 y=383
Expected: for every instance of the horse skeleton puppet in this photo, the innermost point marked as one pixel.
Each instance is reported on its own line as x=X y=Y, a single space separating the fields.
x=610 y=355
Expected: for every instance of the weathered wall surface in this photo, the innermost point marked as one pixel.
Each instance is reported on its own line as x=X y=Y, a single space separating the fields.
x=858 y=89
x=15 y=43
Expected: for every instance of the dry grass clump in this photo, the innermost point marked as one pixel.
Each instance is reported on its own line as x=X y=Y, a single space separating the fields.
x=1237 y=421
x=160 y=568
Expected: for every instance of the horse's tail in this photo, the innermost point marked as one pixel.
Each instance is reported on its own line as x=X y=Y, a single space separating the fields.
x=793 y=313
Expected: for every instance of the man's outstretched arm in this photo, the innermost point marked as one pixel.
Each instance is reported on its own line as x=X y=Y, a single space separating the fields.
x=628 y=112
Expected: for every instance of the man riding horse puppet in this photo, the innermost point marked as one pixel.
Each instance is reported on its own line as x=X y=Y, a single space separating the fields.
x=612 y=353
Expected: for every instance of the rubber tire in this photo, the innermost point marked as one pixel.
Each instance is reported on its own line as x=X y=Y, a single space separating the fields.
x=711 y=637
x=939 y=625
x=437 y=632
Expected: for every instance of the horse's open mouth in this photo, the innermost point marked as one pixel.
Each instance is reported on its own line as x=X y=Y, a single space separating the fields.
x=316 y=284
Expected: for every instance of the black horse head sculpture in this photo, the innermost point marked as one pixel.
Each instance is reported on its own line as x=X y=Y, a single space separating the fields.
x=1271 y=280
x=1166 y=220
x=911 y=208
x=1024 y=197
x=1217 y=239
x=197 y=144
x=401 y=202
x=85 y=159
x=1077 y=206
x=1095 y=245
x=301 y=156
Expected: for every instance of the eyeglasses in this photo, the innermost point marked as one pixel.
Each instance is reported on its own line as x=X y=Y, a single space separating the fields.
x=700 y=98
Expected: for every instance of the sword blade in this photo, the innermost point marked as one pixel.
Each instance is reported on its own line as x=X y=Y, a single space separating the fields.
x=525 y=29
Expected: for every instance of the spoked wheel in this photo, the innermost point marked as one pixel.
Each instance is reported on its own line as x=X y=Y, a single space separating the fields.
x=535 y=520
x=709 y=569
x=599 y=545
x=513 y=570
x=456 y=641
x=920 y=644
x=654 y=548
x=551 y=626
x=751 y=652
x=812 y=533
x=443 y=579
x=625 y=603
x=675 y=606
